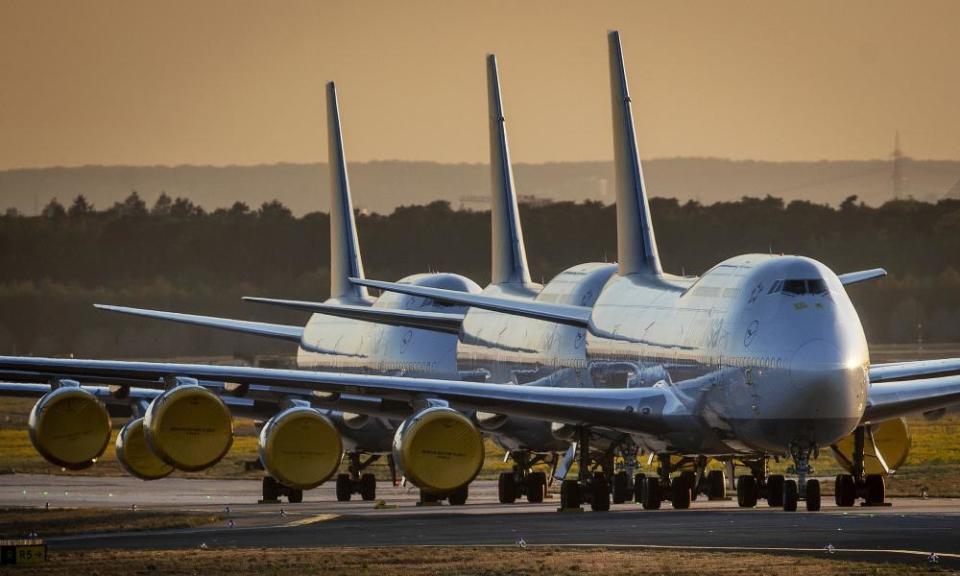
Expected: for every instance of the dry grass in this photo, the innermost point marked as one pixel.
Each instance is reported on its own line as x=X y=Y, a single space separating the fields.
x=18 y=522
x=450 y=561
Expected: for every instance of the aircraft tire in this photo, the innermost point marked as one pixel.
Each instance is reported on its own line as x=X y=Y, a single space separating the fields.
x=681 y=492
x=775 y=484
x=506 y=488
x=691 y=479
x=651 y=493
x=536 y=487
x=716 y=485
x=638 y=487
x=790 y=495
x=875 y=489
x=570 y=494
x=620 y=487
x=368 y=487
x=600 y=493
x=344 y=488
x=294 y=495
x=747 y=491
x=459 y=496
x=845 y=490
x=271 y=489
x=813 y=495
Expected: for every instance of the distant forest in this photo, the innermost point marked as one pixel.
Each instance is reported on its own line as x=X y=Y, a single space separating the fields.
x=173 y=255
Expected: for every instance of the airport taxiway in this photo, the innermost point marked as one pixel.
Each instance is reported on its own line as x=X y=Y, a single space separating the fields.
x=907 y=530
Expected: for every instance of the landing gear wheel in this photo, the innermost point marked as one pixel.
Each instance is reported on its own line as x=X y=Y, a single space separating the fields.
x=600 y=493
x=536 y=487
x=271 y=489
x=691 y=480
x=813 y=495
x=368 y=487
x=459 y=496
x=747 y=491
x=638 y=481
x=570 y=494
x=716 y=485
x=506 y=488
x=845 y=490
x=295 y=496
x=344 y=488
x=428 y=497
x=681 y=492
x=790 y=495
x=875 y=489
x=620 y=487
x=651 y=493
x=775 y=485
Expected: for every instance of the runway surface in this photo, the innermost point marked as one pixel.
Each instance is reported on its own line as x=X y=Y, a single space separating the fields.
x=906 y=531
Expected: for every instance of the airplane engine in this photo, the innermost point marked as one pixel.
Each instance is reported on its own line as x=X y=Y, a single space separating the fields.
x=890 y=437
x=70 y=427
x=135 y=455
x=300 y=447
x=189 y=427
x=438 y=449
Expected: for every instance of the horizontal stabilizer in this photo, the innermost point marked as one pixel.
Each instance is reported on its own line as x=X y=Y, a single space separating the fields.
x=291 y=333
x=559 y=313
x=436 y=321
x=862 y=276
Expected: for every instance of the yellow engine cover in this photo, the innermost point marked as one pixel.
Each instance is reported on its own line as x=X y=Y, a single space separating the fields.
x=892 y=438
x=189 y=428
x=300 y=447
x=70 y=427
x=135 y=455
x=438 y=449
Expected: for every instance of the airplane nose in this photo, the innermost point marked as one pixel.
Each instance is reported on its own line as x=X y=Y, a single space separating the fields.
x=827 y=391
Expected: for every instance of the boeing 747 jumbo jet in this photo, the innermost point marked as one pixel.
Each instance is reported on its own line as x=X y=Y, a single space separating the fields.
x=762 y=356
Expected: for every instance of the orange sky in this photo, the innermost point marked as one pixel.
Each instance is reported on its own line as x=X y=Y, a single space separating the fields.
x=237 y=82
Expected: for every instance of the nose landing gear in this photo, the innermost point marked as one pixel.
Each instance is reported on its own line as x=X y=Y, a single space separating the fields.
x=522 y=481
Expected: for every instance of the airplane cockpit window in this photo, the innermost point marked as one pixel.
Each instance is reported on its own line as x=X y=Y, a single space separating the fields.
x=796 y=287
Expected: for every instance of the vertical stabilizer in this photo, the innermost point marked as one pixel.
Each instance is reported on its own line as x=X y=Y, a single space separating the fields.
x=509 y=262
x=636 y=244
x=345 y=259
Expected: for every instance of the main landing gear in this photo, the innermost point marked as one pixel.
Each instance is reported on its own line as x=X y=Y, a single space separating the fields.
x=776 y=489
x=522 y=481
x=273 y=490
x=681 y=489
x=358 y=482
x=591 y=488
x=869 y=487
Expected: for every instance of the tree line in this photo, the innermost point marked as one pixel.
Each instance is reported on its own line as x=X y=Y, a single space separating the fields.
x=174 y=255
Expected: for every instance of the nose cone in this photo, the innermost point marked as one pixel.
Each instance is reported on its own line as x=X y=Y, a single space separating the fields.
x=827 y=389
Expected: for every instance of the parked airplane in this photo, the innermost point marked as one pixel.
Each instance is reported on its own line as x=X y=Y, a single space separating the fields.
x=761 y=356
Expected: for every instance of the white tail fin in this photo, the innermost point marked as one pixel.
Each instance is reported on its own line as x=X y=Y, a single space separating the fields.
x=345 y=261
x=509 y=262
x=636 y=244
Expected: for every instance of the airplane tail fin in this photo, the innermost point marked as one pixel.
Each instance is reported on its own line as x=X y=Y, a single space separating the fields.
x=345 y=261
x=636 y=244
x=509 y=262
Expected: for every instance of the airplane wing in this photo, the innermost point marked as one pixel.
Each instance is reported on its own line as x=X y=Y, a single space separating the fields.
x=898 y=398
x=861 y=276
x=436 y=321
x=560 y=313
x=914 y=370
x=284 y=332
x=628 y=409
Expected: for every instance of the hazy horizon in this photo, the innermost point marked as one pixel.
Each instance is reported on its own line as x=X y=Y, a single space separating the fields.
x=238 y=83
